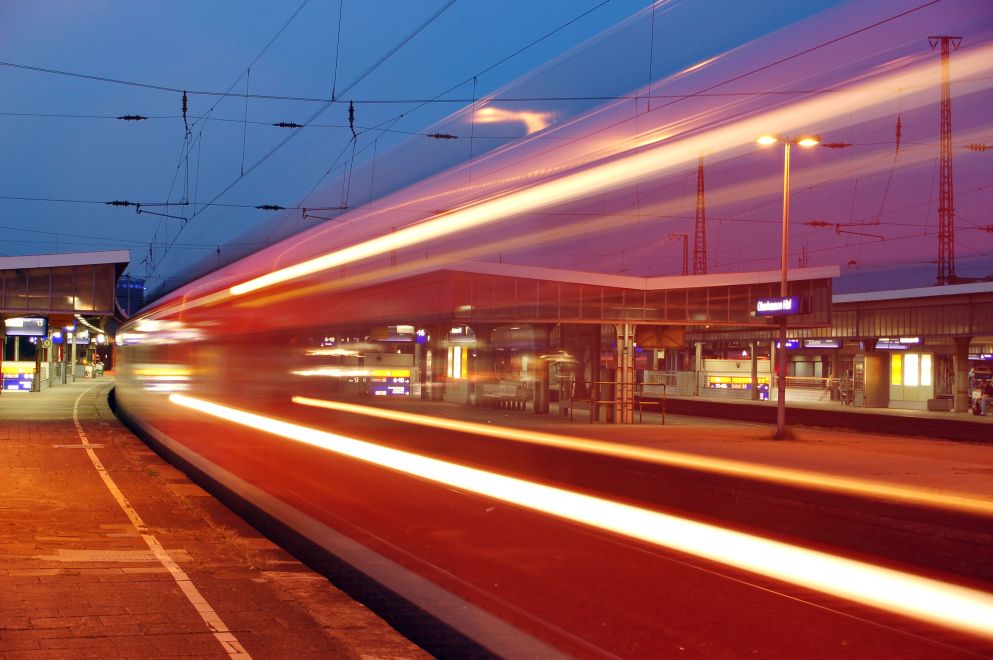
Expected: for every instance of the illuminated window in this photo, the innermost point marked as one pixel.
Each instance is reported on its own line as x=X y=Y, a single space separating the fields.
x=456 y=361
x=896 y=369
x=911 y=369
x=926 y=370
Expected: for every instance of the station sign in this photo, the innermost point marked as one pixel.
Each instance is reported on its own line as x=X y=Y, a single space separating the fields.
x=896 y=343
x=390 y=382
x=777 y=306
x=822 y=343
x=26 y=326
x=462 y=334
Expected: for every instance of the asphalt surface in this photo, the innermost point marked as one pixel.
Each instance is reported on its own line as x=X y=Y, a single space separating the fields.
x=108 y=551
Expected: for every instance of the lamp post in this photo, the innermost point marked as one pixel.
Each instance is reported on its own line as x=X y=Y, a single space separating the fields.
x=806 y=141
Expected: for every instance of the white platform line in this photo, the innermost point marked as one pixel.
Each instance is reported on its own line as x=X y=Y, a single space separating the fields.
x=225 y=637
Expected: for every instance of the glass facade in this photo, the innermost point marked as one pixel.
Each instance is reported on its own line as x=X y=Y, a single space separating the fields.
x=86 y=288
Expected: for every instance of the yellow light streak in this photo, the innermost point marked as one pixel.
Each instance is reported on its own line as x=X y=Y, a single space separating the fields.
x=162 y=372
x=768 y=473
x=956 y=607
x=333 y=351
x=333 y=372
x=873 y=97
x=533 y=121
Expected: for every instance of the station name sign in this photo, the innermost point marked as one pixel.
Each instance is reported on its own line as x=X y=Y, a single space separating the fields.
x=777 y=306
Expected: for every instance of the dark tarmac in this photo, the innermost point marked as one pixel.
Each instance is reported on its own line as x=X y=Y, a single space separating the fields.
x=108 y=551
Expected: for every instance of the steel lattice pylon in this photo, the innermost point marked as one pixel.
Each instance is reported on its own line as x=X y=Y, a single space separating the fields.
x=700 y=229
x=946 y=193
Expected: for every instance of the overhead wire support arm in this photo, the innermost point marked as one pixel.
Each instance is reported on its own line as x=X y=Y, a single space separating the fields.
x=139 y=211
x=306 y=213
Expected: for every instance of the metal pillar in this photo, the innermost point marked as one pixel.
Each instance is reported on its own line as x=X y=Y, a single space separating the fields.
x=36 y=381
x=946 y=195
x=755 y=371
x=784 y=292
x=624 y=379
x=51 y=361
x=960 y=375
x=700 y=227
x=697 y=366
x=72 y=363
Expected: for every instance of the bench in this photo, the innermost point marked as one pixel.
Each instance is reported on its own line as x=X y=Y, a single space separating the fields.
x=506 y=394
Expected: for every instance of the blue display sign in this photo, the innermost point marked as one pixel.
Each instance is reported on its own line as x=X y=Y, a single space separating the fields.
x=19 y=382
x=390 y=386
x=777 y=306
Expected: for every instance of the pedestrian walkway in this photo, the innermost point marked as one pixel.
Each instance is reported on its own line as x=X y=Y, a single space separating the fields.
x=832 y=414
x=108 y=551
x=937 y=466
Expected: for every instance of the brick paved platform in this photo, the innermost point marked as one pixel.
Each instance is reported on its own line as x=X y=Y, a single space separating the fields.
x=106 y=551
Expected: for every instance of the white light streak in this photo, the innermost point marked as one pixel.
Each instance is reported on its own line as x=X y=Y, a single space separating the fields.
x=758 y=471
x=930 y=600
x=873 y=97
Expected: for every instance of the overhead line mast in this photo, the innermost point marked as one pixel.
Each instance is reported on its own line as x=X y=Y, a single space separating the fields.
x=700 y=227
x=946 y=193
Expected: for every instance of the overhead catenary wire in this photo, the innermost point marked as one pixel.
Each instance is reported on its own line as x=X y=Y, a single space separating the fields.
x=247 y=205
x=320 y=110
x=337 y=51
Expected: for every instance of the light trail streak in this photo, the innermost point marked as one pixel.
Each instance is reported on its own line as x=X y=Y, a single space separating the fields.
x=935 y=602
x=333 y=372
x=533 y=121
x=871 y=97
x=788 y=476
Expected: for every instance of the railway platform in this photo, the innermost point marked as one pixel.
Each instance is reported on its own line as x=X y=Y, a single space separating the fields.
x=108 y=551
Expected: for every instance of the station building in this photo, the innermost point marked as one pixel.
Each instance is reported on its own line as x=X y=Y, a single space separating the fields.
x=923 y=348
x=56 y=310
x=483 y=334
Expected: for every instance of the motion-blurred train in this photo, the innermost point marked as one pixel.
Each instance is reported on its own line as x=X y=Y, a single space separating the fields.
x=384 y=385
x=374 y=414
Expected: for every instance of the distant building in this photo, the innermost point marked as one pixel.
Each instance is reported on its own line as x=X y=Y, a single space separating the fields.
x=130 y=294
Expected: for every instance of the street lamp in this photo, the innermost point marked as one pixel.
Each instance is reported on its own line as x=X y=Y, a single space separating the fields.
x=804 y=141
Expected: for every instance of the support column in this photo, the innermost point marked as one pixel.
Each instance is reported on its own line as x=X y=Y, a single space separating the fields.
x=755 y=370
x=51 y=361
x=773 y=370
x=72 y=363
x=624 y=398
x=417 y=373
x=36 y=381
x=542 y=369
x=960 y=376
x=697 y=366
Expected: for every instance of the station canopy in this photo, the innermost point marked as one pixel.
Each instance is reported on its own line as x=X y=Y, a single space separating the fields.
x=57 y=285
